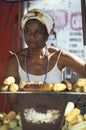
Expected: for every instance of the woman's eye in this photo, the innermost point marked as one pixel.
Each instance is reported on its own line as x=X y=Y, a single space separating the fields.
x=35 y=33
x=27 y=31
x=38 y=32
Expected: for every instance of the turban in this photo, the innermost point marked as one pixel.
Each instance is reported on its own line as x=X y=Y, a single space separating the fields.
x=40 y=15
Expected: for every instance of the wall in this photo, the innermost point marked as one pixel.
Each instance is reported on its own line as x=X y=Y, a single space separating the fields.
x=9 y=34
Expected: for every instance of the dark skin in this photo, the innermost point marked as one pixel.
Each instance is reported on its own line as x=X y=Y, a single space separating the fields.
x=36 y=36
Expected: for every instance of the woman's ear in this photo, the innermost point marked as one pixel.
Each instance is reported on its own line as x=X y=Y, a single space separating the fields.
x=46 y=37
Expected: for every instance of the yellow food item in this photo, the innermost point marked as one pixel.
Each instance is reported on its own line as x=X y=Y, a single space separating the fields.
x=4 y=127
x=4 y=88
x=77 y=89
x=9 y=80
x=83 y=128
x=74 y=121
x=38 y=87
x=18 y=117
x=68 y=84
x=58 y=87
x=72 y=114
x=9 y=117
x=13 y=87
x=79 y=126
x=84 y=89
x=80 y=118
x=22 y=84
x=2 y=115
x=85 y=117
x=79 y=83
x=20 y=123
x=13 y=124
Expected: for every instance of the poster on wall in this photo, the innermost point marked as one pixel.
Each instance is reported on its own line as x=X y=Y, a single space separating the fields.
x=68 y=33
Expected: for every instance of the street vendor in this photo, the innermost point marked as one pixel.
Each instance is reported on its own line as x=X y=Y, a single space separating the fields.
x=39 y=62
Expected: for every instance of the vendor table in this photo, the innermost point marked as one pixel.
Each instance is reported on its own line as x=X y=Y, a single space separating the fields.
x=45 y=110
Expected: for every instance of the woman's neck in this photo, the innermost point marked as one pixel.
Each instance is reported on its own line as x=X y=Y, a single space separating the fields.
x=37 y=52
x=41 y=53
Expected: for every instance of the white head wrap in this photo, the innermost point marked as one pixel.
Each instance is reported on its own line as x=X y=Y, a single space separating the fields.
x=40 y=15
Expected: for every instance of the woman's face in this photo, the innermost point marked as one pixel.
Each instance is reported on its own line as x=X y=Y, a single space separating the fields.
x=35 y=34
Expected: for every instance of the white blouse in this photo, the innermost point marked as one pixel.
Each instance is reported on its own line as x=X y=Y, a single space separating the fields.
x=54 y=76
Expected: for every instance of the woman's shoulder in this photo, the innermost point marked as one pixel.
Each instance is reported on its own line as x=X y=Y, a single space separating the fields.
x=57 y=52
x=14 y=55
x=64 y=55
x=21 y=52
x=52 y=49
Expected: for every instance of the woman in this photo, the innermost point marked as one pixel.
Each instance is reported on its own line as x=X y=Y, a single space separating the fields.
x=38 y=62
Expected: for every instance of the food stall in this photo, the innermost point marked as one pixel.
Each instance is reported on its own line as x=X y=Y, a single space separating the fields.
x=40 y=104
x=45 y=106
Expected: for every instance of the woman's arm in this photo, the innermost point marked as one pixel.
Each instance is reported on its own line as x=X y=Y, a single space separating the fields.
x=74 y=62
x=12 y=70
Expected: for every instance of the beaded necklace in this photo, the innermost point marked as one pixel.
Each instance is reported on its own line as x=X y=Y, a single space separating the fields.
x=26 y=65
